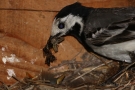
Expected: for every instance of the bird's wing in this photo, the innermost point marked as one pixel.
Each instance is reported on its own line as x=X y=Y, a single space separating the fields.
x=114 y=33
x=113 y=29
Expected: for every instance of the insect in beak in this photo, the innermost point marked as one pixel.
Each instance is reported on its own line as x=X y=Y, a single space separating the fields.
x=52 y=43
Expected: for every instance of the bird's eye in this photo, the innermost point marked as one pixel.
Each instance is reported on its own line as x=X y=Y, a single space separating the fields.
x=61 y=25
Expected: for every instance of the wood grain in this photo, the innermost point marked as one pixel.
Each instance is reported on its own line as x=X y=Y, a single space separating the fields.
x=56 y=5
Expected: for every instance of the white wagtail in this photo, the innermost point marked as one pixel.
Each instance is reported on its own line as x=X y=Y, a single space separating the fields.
x=109 y=32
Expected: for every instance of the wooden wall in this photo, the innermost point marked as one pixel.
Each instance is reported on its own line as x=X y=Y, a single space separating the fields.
x=25 y=27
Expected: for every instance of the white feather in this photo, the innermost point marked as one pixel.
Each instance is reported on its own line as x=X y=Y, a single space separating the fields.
x=69 y=21
x=118 y=51
x=93 y=36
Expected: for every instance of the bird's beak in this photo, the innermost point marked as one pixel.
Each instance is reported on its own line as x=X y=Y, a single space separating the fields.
x=52 y=43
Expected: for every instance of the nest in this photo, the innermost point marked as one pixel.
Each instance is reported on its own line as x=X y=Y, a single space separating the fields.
x=90 y=73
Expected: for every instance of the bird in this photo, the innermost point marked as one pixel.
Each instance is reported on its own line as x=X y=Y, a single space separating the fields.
x=108 y=32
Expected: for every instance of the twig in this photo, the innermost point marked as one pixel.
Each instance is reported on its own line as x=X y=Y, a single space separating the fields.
x=89 y=71
x=18 y=80
x=62 y=64
x=100 y=58
x=122 y=71
x=4 y=85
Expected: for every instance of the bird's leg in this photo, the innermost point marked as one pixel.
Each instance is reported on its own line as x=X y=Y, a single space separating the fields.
x=132 y=56
x=121 y=70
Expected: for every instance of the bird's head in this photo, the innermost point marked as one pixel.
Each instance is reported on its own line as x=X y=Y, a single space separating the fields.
x=69 y=21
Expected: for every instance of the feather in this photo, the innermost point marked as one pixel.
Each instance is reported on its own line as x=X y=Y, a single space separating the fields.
x=110 y=32
x=115 y=41
x=103 y=17
x=115 y=33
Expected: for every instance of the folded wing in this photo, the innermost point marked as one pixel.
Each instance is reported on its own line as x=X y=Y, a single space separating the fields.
x=110 y=26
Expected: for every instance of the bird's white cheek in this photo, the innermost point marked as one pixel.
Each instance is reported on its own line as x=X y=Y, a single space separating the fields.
x=54 y=30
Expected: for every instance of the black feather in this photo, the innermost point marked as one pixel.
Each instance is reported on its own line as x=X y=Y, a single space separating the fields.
x=67 y=10
x=75 y=9
x=125 y=31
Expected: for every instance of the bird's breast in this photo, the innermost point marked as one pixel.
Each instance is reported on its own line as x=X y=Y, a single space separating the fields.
x=119 y=51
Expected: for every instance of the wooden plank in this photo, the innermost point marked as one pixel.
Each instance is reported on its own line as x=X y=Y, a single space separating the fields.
x=35 y=4
x=56 y=5
x=37 y=24
x=108 y=3
x=30 y=58
x=24 y=33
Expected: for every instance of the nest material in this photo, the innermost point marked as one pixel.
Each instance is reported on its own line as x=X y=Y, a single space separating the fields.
x=72 y=74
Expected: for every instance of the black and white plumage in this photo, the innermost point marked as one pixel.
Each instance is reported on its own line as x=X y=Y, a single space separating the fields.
x=109 y=32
